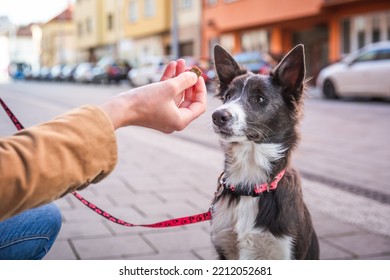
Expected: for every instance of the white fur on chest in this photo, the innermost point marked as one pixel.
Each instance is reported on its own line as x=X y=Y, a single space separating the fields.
x=233 y=231
x=250 y=163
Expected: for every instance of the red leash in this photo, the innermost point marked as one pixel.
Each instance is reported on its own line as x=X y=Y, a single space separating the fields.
x=168 y=223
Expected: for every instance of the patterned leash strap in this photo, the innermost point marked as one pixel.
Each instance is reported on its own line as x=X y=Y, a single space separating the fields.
x=168 y=223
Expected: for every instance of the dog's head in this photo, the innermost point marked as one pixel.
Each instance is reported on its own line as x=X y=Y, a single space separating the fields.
x=256 y=107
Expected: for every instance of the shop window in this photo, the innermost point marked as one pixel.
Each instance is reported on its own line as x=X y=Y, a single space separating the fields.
x=360 y=24
x=388 y=25
x=346 y=33
x=361 y=39
x=376 y=32
x=255 y=41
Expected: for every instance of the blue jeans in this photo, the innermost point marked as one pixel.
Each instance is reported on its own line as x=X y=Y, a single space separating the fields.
x=29 y=235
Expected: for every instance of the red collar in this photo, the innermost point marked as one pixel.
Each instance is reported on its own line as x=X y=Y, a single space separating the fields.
x=255 y=191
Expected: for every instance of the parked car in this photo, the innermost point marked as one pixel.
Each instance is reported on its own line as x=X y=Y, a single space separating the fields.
x=365 y=72
x=68 y=72
x=44 y=74
x=256 y=62
x=83 y=73
x=55 y=72
x=149 y=71
x=18 y=70
x=109 y=70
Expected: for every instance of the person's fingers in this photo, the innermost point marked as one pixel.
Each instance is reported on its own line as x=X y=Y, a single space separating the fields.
x=169 y=71
x=180 y=66
x=177 y=85
x=198 y=93
x=195 y=104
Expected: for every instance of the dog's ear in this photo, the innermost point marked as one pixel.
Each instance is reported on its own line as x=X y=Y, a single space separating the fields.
x=226 y=67
x=290 y=72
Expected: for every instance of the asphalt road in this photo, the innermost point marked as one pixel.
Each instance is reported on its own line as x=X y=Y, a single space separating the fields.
x=343 y=155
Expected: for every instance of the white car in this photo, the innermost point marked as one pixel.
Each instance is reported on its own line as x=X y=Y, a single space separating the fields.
x=365 y=72
x=83 y=73
x=149 y=71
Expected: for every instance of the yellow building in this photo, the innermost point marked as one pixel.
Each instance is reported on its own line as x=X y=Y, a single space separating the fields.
x=100 y=29
x=88 y=16
x=147 y=26
x=135 y=29
x=58 y=40
x=112 y=24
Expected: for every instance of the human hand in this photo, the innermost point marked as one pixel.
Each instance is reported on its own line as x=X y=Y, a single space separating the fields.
x=168 y=106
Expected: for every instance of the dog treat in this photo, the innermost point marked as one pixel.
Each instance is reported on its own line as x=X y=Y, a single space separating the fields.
x=197 y=71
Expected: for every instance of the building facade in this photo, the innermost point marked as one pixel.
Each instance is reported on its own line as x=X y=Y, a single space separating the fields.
x=189 y=15
x=58 y=40
x=328 y=28
x=147 y=25
x=88 y=22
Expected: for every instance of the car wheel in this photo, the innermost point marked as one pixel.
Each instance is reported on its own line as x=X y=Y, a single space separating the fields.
x=329 y=90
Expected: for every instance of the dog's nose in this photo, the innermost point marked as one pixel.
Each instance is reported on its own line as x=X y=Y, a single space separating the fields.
x=221 y=117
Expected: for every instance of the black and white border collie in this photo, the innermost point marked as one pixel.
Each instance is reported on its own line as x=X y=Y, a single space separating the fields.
x=258 y=210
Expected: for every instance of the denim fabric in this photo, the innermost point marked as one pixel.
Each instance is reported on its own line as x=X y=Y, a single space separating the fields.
x=30 y=235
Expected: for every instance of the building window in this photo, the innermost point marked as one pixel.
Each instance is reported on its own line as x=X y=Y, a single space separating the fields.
x=360 y=24
x=110 y=22
x=80 y=29
x=227 y=42
x=186 y=4
x=346 y=35
x=376 y=31
x=149 y=8
x=133 y=10
x=88 y=25
x=211 y=2
x=255 y=41
x=388 y=25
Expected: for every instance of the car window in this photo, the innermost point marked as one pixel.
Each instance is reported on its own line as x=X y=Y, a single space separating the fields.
x=368 y=56
x=383 y=54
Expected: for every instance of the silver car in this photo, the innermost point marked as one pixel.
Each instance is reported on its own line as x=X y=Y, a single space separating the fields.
x=364 y=73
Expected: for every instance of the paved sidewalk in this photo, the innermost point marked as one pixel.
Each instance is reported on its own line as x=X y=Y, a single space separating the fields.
x=161 y=176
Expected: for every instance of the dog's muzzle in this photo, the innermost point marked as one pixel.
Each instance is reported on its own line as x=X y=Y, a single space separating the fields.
x=221 y=117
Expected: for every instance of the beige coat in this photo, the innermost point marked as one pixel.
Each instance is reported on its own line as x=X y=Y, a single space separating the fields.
x=45 y=162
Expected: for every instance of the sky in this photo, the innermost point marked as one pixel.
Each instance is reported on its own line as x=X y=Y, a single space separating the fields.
x=23 y=12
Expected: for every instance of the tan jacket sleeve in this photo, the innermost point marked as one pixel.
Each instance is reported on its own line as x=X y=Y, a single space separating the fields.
x=44 y=162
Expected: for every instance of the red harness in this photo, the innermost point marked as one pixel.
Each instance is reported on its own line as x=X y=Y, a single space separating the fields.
x=258 y=189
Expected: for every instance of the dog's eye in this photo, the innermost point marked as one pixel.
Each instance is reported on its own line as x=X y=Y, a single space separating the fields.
x=227 y=96
x=259 y=99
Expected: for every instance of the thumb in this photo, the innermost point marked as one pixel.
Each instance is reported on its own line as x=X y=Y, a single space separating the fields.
x=182 y=82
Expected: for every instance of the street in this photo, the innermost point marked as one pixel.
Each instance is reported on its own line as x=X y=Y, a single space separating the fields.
x=343 y=158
